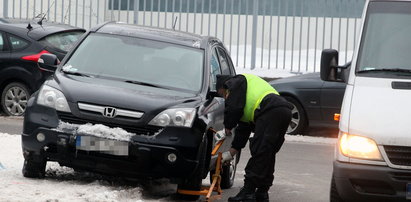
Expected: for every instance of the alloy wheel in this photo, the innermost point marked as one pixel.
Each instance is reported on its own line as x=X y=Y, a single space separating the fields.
x=15 y=100
x=295 y=119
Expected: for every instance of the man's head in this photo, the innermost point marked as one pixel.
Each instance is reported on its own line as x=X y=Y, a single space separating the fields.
x=220 y=86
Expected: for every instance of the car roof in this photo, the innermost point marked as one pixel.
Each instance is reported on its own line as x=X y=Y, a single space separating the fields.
x=160 y=34
x=37 y=31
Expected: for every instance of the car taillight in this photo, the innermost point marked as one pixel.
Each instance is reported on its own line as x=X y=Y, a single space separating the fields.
x=34 y=57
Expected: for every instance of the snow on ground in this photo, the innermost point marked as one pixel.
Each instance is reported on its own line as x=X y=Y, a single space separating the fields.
x=309 y=139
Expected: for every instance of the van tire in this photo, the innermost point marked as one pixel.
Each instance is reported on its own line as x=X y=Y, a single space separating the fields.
x=334 y=195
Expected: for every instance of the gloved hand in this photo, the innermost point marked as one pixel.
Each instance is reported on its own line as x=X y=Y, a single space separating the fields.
x=226 y=157
x=219 y=135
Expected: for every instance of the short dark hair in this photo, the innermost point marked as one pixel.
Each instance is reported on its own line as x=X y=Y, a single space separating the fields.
x=221 y=79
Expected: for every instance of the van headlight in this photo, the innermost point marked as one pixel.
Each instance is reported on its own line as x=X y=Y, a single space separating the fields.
x=355 y=146
x=175 y=117
x=51 y=97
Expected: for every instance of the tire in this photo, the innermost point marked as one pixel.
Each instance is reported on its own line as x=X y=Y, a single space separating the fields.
x=14 y=99
x=334 y=195
x=298 y=124
x=228 y=173
x=194 y=182
x=33 y=169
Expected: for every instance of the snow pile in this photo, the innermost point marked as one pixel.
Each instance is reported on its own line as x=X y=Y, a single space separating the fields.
x=103 y=131
x=97 y=130
x=309 y=139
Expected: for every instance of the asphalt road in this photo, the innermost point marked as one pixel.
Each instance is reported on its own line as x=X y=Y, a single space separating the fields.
x=11 y=125
x=303 y=170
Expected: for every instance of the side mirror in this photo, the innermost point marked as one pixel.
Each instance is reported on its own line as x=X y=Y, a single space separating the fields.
x=213 y=94
x=48 y=62
x=329 y=65
x=211 y=106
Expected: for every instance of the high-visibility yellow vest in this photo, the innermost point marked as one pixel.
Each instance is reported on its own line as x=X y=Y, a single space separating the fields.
x=257 y=89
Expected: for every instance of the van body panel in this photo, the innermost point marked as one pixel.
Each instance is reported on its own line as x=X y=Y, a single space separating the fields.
x=380 y=112
x=345 y=109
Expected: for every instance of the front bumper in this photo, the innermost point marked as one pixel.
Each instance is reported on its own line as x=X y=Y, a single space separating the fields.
x=143 y=159
x=358 y=182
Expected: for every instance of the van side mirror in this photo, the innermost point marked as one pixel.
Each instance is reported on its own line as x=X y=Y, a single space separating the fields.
x=48 y=62
x=329 y=65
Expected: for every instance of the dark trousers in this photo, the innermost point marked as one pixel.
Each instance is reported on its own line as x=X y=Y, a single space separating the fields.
x=270 y=128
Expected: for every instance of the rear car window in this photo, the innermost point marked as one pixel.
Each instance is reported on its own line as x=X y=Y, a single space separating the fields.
x=18 y=43
x=62 y=41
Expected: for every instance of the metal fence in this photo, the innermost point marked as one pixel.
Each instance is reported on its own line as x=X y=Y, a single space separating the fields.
x=270 y=34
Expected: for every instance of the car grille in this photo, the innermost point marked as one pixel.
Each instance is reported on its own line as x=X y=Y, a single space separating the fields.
x=145 y=130
x=401 y=176
x=399 y=155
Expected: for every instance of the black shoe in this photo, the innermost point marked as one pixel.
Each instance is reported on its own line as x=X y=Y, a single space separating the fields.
x=246 y=194
x=261 y=196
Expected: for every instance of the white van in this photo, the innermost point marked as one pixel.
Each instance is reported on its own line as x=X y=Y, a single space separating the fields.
x=373 y=153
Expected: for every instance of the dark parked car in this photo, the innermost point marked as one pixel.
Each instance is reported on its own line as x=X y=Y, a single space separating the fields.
x=154 y=87
x=22 y=43
x=315 y=101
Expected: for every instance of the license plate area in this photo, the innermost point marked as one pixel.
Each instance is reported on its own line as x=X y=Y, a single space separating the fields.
x=102 y=145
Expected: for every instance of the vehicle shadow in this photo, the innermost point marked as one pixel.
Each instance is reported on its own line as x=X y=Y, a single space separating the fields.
x=129 y=188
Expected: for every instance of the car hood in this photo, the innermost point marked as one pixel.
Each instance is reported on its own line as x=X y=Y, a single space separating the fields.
x=105 y=92
x=310 y=80
x=380 y=112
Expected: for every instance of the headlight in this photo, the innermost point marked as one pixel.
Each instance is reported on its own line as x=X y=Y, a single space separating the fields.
x=53 y=98
x=359 y=147
x=175 y=117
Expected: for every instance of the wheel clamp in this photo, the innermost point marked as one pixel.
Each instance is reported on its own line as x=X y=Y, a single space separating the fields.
x=215 y=185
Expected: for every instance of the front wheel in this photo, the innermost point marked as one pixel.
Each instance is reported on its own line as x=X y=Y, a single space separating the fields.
x=14 y=99
x=227 y=173
x=298 y=122
x=195 y=181
x=34 y=169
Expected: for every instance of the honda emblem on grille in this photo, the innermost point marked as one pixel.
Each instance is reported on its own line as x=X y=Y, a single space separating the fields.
x=110 y=112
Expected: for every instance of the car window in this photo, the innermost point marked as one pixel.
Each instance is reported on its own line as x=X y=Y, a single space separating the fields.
x=225 y=69
x=18 y=43
x=62 y=41
x=230 y=63
x=140 y=60
x=215 y=69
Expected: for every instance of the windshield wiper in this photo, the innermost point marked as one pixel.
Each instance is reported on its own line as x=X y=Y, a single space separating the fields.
x=144 y=84
x=386 y=70
x=75 y=73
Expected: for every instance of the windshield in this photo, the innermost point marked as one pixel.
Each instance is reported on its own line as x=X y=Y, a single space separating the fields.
x=386 y=43
x=62 y=41
x=138 y=61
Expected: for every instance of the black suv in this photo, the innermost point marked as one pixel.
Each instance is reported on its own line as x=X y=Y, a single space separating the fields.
x=131 y=101
x=22 y=42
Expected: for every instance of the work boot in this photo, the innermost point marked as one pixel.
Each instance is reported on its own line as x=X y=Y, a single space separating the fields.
x=246 y=194
x=261 y=195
